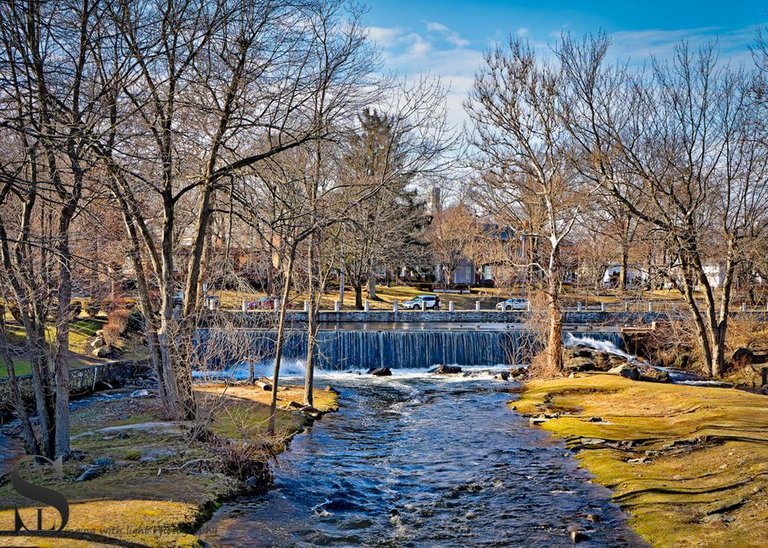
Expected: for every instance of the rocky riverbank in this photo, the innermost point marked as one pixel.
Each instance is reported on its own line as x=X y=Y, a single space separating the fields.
x=137 y=480
x=689 y=464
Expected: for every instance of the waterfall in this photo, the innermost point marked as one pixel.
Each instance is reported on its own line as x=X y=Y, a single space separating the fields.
x=345 y=349
x=609 y=344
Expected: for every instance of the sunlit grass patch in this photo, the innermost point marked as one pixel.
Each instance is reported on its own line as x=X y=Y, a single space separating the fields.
x=689 y=464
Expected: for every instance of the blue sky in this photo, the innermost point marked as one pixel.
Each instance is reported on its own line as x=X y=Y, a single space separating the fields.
x=448 y=38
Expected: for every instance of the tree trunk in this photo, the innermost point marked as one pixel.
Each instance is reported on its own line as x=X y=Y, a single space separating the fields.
x=41 y=381
x=312 y=326
x=60 y=359
x=195 y=268
x=145 y=303
x=624 y=265
x=27 y=431
x=358 y=285
x=181 y=404
x=555 y=337
x=720 y=324
x=372 y=282
x=717 y=365
x=280 y=340
x=701 y=329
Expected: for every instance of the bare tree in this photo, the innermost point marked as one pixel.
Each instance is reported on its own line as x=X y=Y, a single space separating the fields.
x=681 y=148
x=452 y=234
x=51 y=105
x=525 y=150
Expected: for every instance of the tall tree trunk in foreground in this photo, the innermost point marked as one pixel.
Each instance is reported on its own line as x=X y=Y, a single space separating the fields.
x=279 y=343
x=312 y=325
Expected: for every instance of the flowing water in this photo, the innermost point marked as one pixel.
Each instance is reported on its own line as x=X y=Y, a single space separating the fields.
x=346 y=346
x=415 y=460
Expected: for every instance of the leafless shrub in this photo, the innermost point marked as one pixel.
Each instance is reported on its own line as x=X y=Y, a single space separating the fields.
x=116 y=326
x=244 y=461
x=534 y=342
x=673 y=344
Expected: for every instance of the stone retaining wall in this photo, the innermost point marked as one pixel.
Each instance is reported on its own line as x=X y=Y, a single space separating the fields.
x=83 y=380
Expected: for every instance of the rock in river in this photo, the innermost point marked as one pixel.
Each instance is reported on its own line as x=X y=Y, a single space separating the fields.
x=381 y=372
x=446 y=370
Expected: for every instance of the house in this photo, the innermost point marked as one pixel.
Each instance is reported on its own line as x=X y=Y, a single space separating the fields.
x=635 y=276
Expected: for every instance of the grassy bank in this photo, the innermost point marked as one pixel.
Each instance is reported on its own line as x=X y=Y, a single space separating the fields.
x=80 y=333
x=689 y=464
x=162 y=478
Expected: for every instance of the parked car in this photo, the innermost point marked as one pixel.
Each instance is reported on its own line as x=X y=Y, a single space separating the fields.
x=513 y=304
x=431 y=302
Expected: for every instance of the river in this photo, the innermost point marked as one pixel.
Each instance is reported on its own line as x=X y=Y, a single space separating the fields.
x=415 y=460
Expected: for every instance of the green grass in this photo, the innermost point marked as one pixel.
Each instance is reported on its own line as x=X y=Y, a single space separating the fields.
x=703 y=477
x=157 y=502
x=23 y=366
x=81 y=332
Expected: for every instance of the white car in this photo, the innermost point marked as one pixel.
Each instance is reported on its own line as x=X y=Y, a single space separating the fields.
x=512 y=304
x=431 y=302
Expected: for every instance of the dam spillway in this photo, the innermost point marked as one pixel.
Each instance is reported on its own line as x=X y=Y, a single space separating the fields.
x=397 y=346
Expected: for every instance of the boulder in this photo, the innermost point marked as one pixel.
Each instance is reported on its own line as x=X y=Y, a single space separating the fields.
x=579 y=364
x=153 y=455
x=583 y=358
x=747 y=356
x=381 y=372
x=627 y=371
x=252 y=484
x=504 y=376
x=649 y=373
x=641 y=372
x=518 y=372
x=578 y=535
x=446 y=370
x=579 y=351
x=615 y=361
x=90 y=474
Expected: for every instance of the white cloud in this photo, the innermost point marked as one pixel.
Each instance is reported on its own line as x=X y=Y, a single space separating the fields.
x=433 y=26
x=442 y=52
x=457 y=40
x=419 y=47
x=639 y=45
x=453 y=38
x=384 y=36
